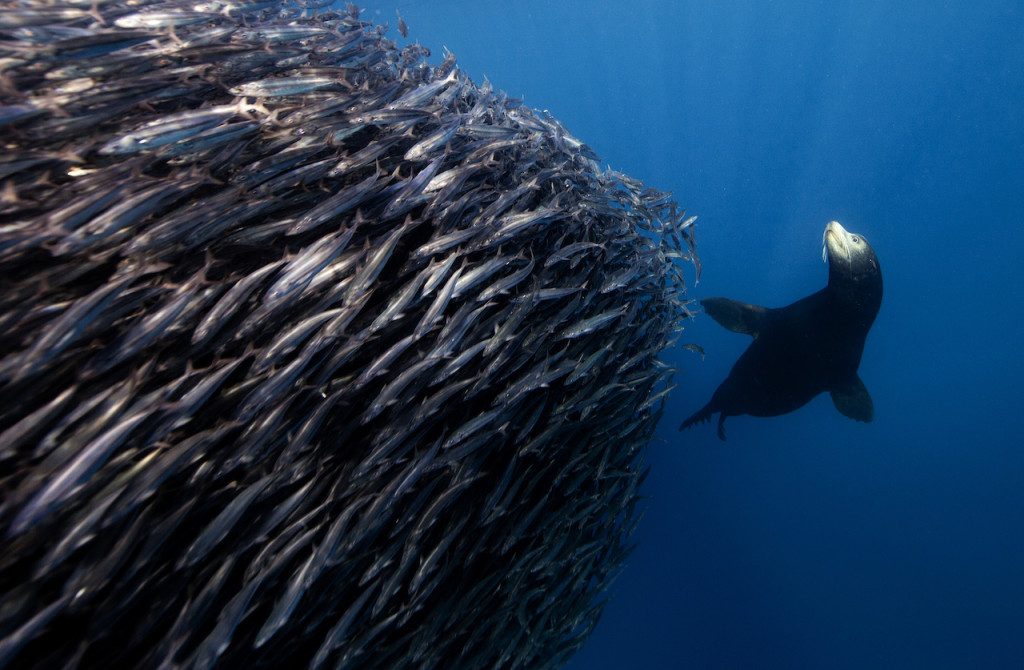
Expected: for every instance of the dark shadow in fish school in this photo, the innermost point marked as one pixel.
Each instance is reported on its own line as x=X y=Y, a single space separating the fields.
x=811 y=346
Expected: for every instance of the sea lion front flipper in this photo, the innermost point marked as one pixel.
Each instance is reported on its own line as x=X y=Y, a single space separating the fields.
x=852 y=399
x=737 y=316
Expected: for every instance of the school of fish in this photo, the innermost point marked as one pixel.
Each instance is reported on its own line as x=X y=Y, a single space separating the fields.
x=312 y=354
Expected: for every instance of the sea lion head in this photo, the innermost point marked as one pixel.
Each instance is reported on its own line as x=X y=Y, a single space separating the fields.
x=854 y=273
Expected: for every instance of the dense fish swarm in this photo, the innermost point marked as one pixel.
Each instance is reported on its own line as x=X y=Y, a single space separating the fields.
x=311 y=354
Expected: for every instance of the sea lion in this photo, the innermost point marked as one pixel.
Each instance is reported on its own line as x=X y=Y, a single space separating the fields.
x=811 y=346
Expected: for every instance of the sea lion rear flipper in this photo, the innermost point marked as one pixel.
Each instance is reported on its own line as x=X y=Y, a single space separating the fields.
x=698 y=417
x=737 y=316
x=852 y=399
x=705 y=415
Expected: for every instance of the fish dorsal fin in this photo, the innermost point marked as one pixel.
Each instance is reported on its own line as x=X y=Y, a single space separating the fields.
x=852 y=399
x=737 y=316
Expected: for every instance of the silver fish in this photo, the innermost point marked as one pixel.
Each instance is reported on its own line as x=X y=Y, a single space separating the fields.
x=305 y=347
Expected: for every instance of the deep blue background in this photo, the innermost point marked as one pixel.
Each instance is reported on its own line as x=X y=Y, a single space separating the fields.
x=808 y=540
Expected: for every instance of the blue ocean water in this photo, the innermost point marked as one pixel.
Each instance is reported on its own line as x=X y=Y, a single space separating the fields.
x=809 y=540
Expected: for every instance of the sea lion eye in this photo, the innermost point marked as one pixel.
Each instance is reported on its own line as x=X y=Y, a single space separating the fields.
x=855 y=239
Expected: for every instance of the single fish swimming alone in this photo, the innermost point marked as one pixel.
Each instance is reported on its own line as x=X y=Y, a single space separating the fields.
x=807 y=348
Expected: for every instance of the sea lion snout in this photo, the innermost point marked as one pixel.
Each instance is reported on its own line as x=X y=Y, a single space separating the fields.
x=834 y=241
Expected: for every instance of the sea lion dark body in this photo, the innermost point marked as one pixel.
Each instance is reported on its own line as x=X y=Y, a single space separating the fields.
x=806 y=348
